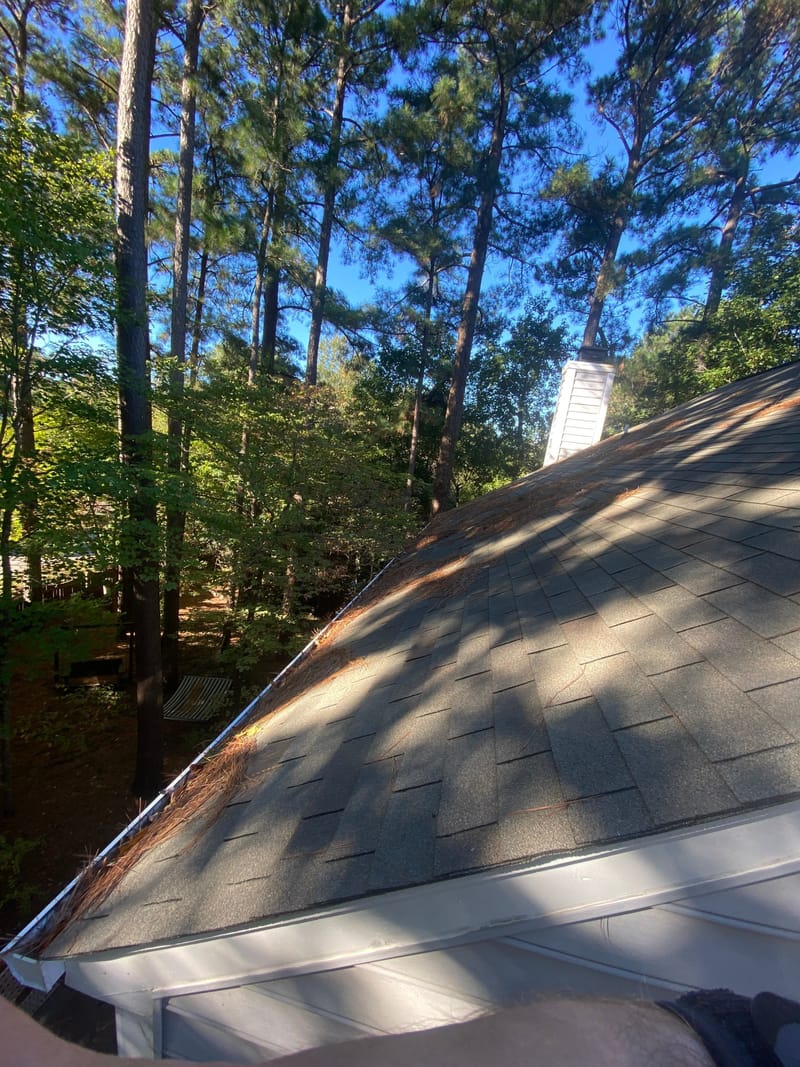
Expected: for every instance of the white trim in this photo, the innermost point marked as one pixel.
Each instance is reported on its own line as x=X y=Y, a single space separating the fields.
x=675 y=865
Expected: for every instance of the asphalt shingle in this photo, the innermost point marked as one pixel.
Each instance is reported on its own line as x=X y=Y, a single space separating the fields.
x=617 y=651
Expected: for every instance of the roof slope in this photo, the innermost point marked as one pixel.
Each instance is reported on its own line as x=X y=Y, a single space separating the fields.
x=602 y=650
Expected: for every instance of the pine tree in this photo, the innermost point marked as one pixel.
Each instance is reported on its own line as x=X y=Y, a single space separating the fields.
x=140 y=536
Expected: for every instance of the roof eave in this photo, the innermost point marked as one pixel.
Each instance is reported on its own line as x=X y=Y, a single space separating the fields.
x=664 y=867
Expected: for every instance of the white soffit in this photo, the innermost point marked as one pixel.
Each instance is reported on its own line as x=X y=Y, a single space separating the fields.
x=663 y=868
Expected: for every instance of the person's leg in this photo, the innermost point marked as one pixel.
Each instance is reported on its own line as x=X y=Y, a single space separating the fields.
x=559 y=1031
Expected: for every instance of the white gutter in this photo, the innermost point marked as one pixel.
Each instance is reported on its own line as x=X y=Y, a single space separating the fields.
x=43 y=974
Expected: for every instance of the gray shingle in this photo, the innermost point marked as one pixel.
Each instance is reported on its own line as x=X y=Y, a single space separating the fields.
x=748 y=660
x=769 y=615
x=654 y=646
x=559 y=677
x=540 y=632
x=659 y=556
x=616 y=605
x=591 y=639
x=359 y=828
x=681 y=609
x=615 y=559
x=423 y=757
x=511 y=666
x=699 y=577
x=781 y=542
x=673 y=776
x=535 y=833
x=528 y=785
x=763 y=775
x=470 y=850
x=777 y=573
x=519 y=725
x=405 y=852
x=570 y=605
x=472 y=704
x=721 y=718
x=642 y=579
x=790 y=642
x=592 y=579
x=719 y=551
x=603 y=818
x=584 y=750
x=469 y=789
x=625 y=695
x=782 y=702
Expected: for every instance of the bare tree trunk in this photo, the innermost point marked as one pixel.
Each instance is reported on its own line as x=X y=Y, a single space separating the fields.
x=423 y=366
x=176 y=513
x=331 y=188
x=414 y=444
x=605 y=276
x=141 y=534
x=23 y=386
x=721 y=263
x=469 y=313
x=258 y=288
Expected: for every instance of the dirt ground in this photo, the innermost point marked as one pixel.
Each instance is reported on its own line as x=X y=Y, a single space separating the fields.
x=73 y=761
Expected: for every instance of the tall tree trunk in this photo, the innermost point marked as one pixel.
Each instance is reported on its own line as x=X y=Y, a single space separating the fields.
x=258 y=290
x=269 y=335
x=721 y=264
x=194 y=354
x=469 y=312
x=423 y=366
x=272 y=277
x=331 y=188
x=604 y=280
x=141 y=533
x=23 y=416
x=176 y=512
x=414 y=443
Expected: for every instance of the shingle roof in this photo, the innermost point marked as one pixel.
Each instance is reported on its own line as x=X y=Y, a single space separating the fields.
x=606 y=648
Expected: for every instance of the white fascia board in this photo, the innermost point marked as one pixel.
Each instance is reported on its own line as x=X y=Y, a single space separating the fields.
x=35 y=974
x=665 y=867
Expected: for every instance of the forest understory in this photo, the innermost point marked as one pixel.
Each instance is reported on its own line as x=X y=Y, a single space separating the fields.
x=73 y=758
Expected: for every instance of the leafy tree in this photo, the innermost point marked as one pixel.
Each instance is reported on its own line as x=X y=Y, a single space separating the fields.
x=500 y=48
x=54 y=246
x=515 y=389
x=660 y=373
x=756 y=116
x=659 y=91
x=755 y=328
x=420 y=211
x=360 y=53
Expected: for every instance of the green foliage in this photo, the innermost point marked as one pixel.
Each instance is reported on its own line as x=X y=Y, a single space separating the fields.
x=755 y=328
x=13 y=890
x=300 y=520
x=660 y=373
x=55 y=233
x=512 y=401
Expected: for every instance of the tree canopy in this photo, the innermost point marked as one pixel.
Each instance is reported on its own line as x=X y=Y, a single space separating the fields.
x=355 y=244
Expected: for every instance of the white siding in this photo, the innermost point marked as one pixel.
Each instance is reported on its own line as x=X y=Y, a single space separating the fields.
x=747 y=939
x=581 y=408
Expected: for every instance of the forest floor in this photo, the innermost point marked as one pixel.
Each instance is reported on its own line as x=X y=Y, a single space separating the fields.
x=73 y=754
